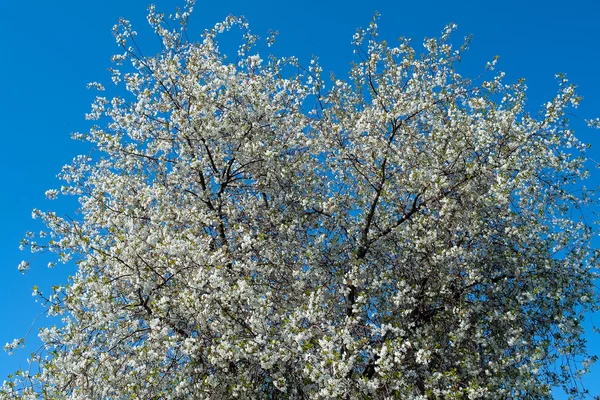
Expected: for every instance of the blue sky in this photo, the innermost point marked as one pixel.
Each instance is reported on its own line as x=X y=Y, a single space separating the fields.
x=50 y=50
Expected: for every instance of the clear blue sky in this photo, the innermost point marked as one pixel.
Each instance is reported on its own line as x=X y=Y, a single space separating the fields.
x=50 y=50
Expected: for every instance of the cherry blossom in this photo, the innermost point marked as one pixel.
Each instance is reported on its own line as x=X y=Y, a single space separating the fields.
x=250 y=229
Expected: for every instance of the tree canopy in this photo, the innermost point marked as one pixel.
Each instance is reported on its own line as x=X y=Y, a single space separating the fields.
x=251 y=229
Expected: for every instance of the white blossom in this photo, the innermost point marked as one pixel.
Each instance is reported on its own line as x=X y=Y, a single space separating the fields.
x=23 y=267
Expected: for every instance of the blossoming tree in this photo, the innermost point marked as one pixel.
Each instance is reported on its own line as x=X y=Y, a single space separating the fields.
x=247 y=231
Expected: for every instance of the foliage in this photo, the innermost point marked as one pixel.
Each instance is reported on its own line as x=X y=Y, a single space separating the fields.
x=246 y=231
